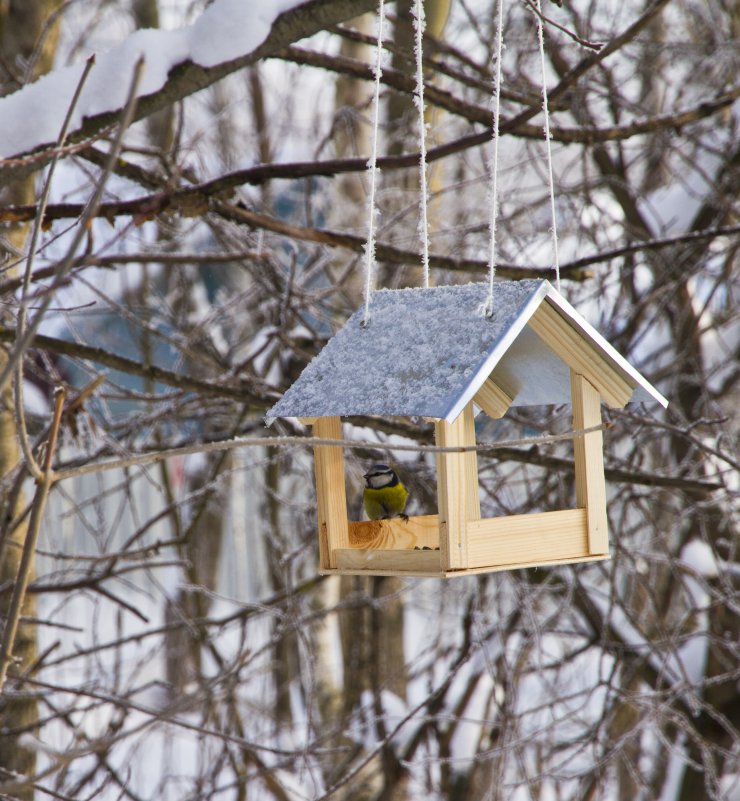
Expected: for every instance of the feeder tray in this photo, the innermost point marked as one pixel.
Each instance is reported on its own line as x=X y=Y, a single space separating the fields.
x=433 y=353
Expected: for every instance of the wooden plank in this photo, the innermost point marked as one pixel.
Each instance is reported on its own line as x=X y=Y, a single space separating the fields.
x=493 y=399
x=331 y=493
x=418 y=531
x=580 y=355
x=307 y=421
x=452 y=492
x=589 y=462
x=389 y=562
x=472 y=495
x=528 y=540
x=471 y=571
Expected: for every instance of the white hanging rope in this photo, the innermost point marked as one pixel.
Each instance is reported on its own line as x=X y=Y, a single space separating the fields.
x=372 y=167
x=546 y=111
x=494 y=165
x=419 y=25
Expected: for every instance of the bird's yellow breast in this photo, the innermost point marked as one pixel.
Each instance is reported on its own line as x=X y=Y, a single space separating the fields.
x=385 y=502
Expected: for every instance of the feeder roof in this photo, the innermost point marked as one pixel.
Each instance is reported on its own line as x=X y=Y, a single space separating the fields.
x=427 y=351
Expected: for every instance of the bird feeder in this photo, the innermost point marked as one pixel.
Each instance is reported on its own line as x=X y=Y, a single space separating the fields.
x=434 y=353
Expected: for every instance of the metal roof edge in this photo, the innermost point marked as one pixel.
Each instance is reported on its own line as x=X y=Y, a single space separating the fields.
x=608 y=350
x=495 y=356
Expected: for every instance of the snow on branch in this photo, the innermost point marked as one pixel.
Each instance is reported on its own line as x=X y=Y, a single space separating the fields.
x=229 y=35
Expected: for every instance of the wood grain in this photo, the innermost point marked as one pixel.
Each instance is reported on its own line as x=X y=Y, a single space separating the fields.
x=528 y=540
x=331 y=492
x=389 y=562
x=493 y=399
x=452 y=491
x=588 y=451
x=396 y=533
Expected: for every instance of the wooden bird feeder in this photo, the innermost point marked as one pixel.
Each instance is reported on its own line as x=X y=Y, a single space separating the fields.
x=433 y=353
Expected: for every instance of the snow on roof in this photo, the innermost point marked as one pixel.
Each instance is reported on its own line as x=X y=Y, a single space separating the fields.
x=426 y=352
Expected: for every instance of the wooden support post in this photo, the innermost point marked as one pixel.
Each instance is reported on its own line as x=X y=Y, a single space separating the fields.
x=589 y=462
x=472 y=502
x=331 y=492
x=454 y=491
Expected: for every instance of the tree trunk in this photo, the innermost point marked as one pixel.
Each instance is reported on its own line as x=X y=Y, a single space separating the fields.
x=28 y=39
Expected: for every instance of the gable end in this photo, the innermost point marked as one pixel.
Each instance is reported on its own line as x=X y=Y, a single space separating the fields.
x=557 y=333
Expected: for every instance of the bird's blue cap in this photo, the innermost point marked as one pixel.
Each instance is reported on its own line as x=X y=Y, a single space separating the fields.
x=377 y=468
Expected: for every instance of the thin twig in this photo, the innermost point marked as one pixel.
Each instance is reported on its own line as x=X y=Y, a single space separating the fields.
x=504 y=448
x=572 y=34
x=251 y=442
x=90 y=212
x=22 y=431
x=29 y=546
x=167 y=199
x=573 y=269
x=85 y=393
x=44 y=200
x=243 y=390
x=159 y=257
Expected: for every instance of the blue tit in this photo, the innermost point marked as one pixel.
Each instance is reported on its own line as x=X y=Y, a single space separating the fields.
x=384 y=495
